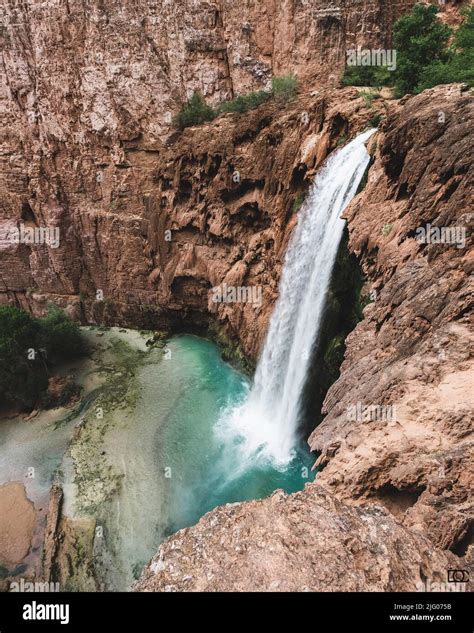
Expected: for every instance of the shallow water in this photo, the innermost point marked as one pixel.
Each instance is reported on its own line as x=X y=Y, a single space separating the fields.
x=155 y=459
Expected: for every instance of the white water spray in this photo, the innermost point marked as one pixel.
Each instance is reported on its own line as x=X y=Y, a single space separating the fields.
x=265 y=426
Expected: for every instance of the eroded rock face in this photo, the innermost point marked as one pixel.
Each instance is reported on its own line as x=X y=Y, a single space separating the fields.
x=156 y=229
x=307 y=541
x=412 y=353
x=87 y=99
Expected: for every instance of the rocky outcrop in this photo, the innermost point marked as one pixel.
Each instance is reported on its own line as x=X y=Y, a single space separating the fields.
x=411 y=356
x=408 y=470
x=307 y=541
x=17 y=524
x=151 y=220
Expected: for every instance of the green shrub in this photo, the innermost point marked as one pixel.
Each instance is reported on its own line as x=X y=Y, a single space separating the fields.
x=420 y=40
x=244 y=103
x=376 y=76
x=459 y=65
x=194 y=112
x=27 y=347
x=21 y=378
x=369 y=96
x=284 y=88
x=424 y=59
x=60 y=336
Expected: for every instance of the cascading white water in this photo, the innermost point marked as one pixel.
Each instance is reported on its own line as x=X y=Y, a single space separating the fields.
x=265 y=426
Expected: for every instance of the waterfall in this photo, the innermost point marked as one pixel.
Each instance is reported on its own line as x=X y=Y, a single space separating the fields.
x=265 y=425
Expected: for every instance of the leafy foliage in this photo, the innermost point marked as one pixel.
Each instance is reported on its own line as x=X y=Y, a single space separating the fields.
x=420 y=40
x=60 y=336
x=459 y=66
x=377 y=76
x=194 y=112
x=244 y=103
x=424 y=58
x=28 y=347
x=284 y=88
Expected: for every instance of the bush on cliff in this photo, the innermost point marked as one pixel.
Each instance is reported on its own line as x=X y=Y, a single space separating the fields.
x=367 y=76
x=244 y=103
x=194 y=112
x=459 y=66
x=284 y=88
x=28 y=347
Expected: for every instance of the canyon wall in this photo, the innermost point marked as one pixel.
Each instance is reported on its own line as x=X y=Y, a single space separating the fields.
x=154 y=219
x=413 y=351
x=87 y=96
x=157 y=230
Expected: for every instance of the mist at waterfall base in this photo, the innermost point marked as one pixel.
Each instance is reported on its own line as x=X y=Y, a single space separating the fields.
x=265 y=428
x=200 y=435
x=260 y=442
x=203 y=471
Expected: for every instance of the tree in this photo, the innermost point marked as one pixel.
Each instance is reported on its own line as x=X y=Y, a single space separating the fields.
x=28 y=348
x=459 y=66
x=60 y=336
x=23 y=373
x=420 y=40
